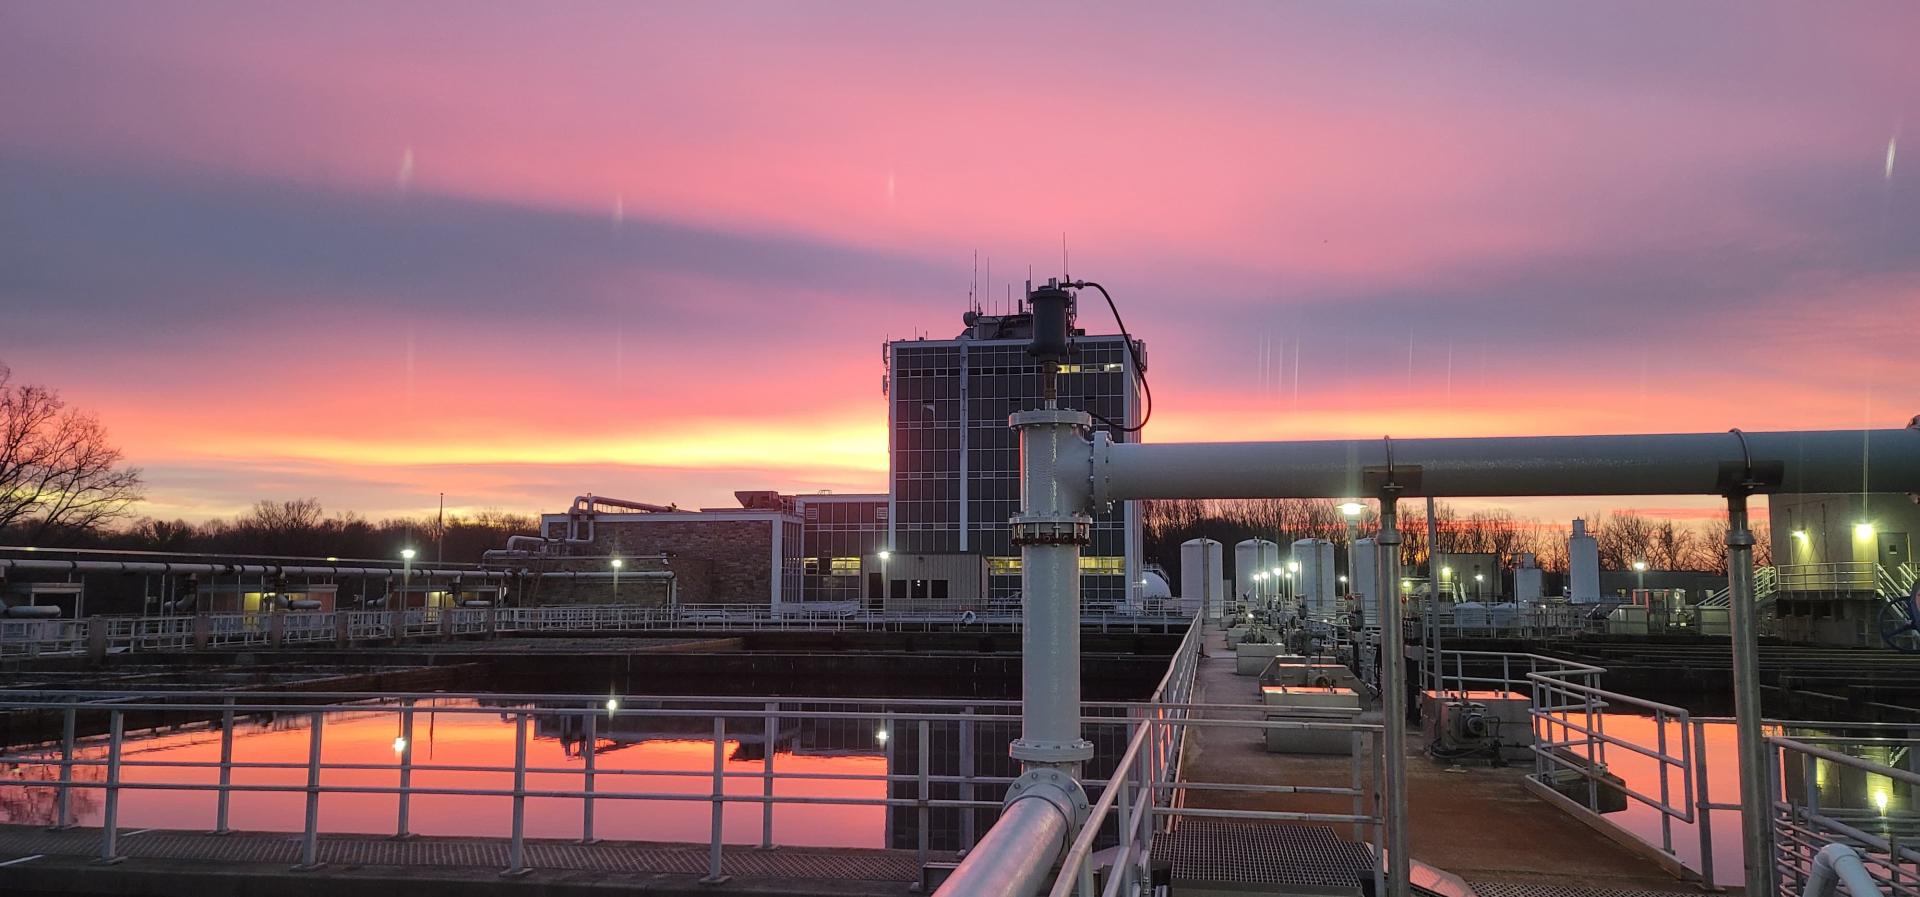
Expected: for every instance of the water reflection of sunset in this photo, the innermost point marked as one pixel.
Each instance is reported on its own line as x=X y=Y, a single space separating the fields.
x=466 y=739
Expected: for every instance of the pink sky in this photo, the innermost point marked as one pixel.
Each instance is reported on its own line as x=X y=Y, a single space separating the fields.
x=371 y=253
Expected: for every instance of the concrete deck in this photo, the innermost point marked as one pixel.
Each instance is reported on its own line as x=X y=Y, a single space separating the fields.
x=164 y=863
x=1478 y=823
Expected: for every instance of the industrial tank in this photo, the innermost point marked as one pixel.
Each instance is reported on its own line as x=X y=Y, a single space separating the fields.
x=1583 y=566
x=1314 y=581
x=1153 y=586
x=1201 y=577
x=1364 y=580
x=1250 y=557
x=1528 y=580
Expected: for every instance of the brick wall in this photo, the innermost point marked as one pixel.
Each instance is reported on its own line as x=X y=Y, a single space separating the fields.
x=717 y=562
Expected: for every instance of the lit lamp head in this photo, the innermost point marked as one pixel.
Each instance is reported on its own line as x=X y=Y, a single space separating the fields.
x=406 y=554
x=1639 y=566
x=1863 y=530
x=1293 y=566
x=884 y=554
x=618 y=563
x=1352 y=509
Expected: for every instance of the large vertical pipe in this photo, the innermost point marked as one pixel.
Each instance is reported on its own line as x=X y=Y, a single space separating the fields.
x=1050 y=530
x=1756 y=808
x=1393 y=694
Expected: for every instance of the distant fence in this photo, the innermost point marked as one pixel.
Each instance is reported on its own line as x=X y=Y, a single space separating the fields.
x=123 y=635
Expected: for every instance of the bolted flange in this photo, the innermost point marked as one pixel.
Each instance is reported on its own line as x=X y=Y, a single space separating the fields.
x=1055 y=786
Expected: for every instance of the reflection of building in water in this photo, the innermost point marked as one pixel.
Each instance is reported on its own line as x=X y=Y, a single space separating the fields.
x=1839 y=788
x=962 y=751
x=970 y=751
x=796 y=734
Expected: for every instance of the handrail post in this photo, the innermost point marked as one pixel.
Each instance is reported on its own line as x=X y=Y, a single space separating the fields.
x=221 y=817
x=1666 y=818
x=110 y=817
x=589 y=745
x=967 y=814
x=309 y=839
x=402 y=828
x=924 y=746
x=63 y=818
x=772 y=731
x=714 y=875
x=1705 y=804
x=517 y=846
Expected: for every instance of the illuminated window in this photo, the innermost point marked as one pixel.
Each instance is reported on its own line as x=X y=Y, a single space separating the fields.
x=1003 y=566
x=845 y=567
x=1070 y=369
x=811 y=566
x=1114 y=566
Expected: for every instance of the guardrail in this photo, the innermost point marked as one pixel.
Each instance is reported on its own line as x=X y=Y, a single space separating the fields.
x=120 y=635
x=1806 y=820
x=908 y=733
x=1148 y=792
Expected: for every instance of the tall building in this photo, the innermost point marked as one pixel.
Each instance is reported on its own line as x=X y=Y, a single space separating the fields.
x=954 y=476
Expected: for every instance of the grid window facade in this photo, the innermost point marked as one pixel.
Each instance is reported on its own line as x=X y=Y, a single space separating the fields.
x=839 y=531
x=955 y=477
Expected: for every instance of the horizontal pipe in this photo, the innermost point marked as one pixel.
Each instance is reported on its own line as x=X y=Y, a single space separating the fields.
x=1015 y=857
x=1672 y=464
x=234 y=569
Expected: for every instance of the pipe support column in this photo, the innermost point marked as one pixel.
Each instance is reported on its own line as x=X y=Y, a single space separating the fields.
x=1055 y=521
x=1393 y=693
x=1756 y=804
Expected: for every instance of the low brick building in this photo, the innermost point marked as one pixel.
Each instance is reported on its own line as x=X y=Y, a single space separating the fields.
x=735 y=556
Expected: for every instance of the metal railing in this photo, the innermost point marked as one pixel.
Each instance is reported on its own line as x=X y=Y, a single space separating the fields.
x=32 y=638
x=1148 y=792
x=914 y=793
x=265 y=629
x=1806 y=820
x=1844 y=576
x=1570 y=741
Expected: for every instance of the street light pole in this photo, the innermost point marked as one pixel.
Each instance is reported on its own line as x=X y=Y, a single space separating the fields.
x=406 y=577
x=617 y=564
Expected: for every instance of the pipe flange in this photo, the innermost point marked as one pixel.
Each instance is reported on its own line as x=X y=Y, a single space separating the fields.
x=1054 y=786
x=1028 y=750
x=1040 y=417
x=1041 y=529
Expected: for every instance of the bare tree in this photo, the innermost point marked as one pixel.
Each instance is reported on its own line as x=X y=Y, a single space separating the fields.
x=58 y=473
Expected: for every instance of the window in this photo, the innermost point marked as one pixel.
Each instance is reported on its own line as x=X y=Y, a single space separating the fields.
x=1113 y=566
x=845 y=567
x=1004 y=566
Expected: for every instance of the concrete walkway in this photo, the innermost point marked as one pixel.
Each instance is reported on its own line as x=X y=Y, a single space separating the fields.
x=1478 y=823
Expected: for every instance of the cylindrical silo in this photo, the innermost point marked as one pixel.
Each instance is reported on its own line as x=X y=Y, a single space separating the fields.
x=1253 y=560
x=1583 y=566
x=1314 y=581
x=1365 y=586
x=1201 y=577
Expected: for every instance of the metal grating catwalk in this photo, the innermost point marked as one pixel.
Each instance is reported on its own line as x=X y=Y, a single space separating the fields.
x=472 y=853
x=1249 y=855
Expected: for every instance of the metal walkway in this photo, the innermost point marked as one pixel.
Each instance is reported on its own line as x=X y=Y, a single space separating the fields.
x=282 y=850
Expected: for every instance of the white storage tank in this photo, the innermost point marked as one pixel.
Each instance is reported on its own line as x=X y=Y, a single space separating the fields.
x=1527 y=580
x=1583 y=566
x=1201 y=572
x=1250 y=557
x=1365 y=580
x=1314 y=582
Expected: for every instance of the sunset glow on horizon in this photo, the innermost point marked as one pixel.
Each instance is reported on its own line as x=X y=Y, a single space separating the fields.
x=374 y=253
